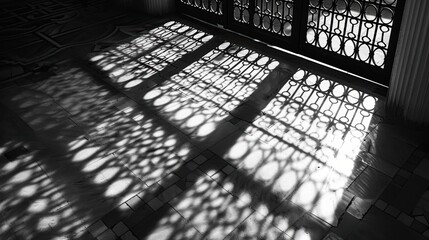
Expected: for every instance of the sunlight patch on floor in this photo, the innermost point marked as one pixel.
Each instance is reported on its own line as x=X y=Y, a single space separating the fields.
x=130 y=64
x=305 y=143
x=199 y=97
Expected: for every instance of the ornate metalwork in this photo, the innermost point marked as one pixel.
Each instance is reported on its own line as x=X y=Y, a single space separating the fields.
x=213 y=6
x=274 y=16
x=349 y=34
x=241 y=11
x=359 y=29
x=271 y=15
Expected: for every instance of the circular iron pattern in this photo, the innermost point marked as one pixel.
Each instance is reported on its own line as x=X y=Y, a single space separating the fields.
x=359 y=29
x=274 y=16
x=213 y=6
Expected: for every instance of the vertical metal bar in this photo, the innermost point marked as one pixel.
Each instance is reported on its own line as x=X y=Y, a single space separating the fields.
x=319 y=14
x=252 y=6
x=260 y=15
x=362 y=22
x=228 y=12
x=331 y=26
x=299 y=27
x=271 y=16
x=283 y=20
x=343 y=40
x=377 y=19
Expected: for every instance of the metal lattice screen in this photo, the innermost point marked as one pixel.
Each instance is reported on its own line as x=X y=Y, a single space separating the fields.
x=356 y=35
x=274 y=16
x=213 y=6
x=241 y=11
x=358 y=29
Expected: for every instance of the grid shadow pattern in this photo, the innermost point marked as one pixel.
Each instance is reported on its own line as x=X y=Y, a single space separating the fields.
x=202 y=94
x=129 y=64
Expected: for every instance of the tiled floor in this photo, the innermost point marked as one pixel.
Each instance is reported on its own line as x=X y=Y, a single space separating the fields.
x=119 y=126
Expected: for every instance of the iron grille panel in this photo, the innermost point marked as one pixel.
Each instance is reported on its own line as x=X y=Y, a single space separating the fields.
x=358 y=29
x=241 y=11
x=213 y=6
x=349 y=34
x=274 y=16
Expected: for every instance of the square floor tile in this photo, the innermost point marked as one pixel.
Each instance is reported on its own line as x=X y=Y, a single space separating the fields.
x=214 y=212
x=370 y=184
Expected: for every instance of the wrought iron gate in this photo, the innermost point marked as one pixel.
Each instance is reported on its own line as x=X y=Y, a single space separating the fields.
x=356 y=35
x=213 y=11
